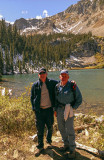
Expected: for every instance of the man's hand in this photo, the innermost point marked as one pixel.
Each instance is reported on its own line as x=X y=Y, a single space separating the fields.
x=73 y=84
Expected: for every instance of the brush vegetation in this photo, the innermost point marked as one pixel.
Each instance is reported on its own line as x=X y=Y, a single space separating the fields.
x=17 y=120
x=16 y=114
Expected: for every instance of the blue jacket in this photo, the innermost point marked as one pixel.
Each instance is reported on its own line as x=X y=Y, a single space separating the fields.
x=66 y=95
x=36 y=93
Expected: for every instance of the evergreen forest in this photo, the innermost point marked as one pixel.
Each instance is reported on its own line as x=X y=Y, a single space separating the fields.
x=21 y=52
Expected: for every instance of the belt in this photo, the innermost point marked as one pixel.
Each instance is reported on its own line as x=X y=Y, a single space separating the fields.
x=41 y=107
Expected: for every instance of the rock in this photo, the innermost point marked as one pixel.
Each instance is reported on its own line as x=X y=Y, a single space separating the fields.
x=15 y=154
x=100 y=119
x=86 y=133
x=5 y=153
x=58 y=133
x=56 y=139
x=3 y=92
x=32 y=149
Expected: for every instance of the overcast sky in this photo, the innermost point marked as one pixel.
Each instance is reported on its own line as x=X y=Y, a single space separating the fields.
x=10 y=10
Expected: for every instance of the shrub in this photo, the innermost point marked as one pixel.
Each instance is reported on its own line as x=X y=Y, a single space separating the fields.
x=16 y=114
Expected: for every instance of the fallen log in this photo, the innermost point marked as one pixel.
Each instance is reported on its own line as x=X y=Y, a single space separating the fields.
x=90 y=149
x=84 y=127
x=80 y=146
x=96 y=119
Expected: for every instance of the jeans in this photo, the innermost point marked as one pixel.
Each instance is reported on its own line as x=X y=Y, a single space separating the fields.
x=44 y=118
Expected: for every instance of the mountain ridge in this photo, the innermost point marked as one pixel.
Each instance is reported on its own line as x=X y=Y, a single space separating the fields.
x=82 y=17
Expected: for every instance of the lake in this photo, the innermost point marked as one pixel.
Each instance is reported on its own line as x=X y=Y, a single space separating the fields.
x=90 y=82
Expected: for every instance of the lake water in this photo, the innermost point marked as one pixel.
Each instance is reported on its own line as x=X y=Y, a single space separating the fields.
x=90 y=82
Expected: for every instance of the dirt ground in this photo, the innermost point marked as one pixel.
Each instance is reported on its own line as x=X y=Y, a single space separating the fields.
x=17 y=148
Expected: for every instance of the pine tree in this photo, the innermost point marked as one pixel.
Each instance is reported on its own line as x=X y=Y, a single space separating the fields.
x=0 y=66
x=1 y=62
x=11 y=59
x=7 y=60
x=20 y=69
x=3 y=36
x=24 y=60
x=9 y=35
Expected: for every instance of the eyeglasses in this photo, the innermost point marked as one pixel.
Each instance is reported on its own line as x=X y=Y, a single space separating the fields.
x=42 y=73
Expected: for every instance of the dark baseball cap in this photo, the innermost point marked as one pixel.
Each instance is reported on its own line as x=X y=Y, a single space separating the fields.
x=64 y=71
x=42 y=70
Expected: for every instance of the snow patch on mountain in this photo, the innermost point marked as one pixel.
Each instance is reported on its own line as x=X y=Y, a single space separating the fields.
x=29 y=29
x=57 y=30
x=74 y=26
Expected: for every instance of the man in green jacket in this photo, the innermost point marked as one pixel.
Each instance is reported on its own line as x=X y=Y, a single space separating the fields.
x=68 y=97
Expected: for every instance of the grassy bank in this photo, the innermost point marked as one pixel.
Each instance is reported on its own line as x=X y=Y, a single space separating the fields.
x=17 y=120
x=16 y=114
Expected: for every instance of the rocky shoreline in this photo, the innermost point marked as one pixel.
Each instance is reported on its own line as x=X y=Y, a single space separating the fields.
x=74 y=63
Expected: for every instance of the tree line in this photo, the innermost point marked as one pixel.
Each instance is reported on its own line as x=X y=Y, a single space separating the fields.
x=20 y=51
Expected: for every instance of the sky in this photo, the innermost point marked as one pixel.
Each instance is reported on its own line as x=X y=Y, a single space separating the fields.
x=11 y=10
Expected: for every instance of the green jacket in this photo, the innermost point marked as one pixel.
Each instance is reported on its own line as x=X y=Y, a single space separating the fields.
x=66 y=95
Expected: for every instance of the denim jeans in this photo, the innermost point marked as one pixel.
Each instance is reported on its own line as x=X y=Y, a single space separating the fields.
x=44 y=118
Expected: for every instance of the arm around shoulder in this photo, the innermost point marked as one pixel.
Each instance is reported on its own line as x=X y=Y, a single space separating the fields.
x=78 y=98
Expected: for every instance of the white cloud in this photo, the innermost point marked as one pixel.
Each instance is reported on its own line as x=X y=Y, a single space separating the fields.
x=24 y=12
x=10 y=22
x=39 y=17
x=45 y=13
x=1 y=16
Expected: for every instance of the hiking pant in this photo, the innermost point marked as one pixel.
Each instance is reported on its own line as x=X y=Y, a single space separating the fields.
x=44 y=118
x=66 y=129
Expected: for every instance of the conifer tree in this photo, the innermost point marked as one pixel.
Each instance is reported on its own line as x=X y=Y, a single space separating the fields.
x=0 y=66
x=20 y=69
x=3 y=32
x=0 y=77
x=11 y=58
x=23 y=61
x=9 y=35
x=7 y=60
x=1 y=62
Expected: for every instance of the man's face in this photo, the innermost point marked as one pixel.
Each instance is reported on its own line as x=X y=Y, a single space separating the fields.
x=42 y=76
x=64 y=78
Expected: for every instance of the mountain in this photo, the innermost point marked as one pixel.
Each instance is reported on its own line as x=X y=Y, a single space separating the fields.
x=83 y=17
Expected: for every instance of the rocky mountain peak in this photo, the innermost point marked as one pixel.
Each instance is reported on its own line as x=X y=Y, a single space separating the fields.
x=83 y=17
x=86 y=6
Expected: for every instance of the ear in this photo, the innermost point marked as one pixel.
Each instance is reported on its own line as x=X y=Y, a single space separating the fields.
x=60 y=76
